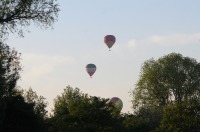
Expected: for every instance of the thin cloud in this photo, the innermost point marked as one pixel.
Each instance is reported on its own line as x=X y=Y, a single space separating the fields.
x=167 y=40
x=132 y=43
x=38 y=65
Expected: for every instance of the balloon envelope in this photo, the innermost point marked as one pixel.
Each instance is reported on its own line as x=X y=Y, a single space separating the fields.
x=116 y=103
x=90 y=68
x=109 y=40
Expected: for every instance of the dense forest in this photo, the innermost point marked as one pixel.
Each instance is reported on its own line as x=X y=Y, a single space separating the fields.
x=165 y=98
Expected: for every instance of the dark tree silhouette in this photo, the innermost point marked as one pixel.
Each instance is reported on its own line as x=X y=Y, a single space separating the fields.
x=16 y=15
x=19 y=116
x=9 y=70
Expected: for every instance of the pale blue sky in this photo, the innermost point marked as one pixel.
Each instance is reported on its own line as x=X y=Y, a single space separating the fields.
x=144 y=29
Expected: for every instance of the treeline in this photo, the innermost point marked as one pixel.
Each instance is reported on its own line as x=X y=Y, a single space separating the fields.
x=166 y=98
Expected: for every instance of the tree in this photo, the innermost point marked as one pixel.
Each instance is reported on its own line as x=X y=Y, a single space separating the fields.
x=76 y=111
x=39 y=105
x=170 y=79
x=39 y=102
x=180 y=118
x=18 y=116
x=18 y=14
x=9 y=74
x=18 y=113
x=9 y=70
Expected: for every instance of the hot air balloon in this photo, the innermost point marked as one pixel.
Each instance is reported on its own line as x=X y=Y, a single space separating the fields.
x=116 y=103
x=109 y=40
x=90 y=68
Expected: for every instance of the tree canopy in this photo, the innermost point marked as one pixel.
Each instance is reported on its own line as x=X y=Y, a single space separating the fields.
x=17 y=15
x=170 y=79
x=9 y=69
x=21 y=111
x=76 y=111
x=167 y=93
x=39 y=102
x=18 y=116
x=166 y=96
x=180 y=118
x=18 y=112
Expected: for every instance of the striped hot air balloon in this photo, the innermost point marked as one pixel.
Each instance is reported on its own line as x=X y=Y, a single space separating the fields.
x=116 y=103
x=91 y=68
x=109 y=40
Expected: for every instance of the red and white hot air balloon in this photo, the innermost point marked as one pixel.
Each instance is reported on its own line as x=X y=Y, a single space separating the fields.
x=109 y=40
x=91 y=68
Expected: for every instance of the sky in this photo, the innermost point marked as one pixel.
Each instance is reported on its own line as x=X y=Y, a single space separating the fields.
x=55 y=58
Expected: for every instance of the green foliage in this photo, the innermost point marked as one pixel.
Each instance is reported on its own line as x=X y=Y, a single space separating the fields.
x=170 y=82
x=135 y=123
x=180 y=118
x=145 y=119
x=39 y=102
x=171 y=78
x=18 y=14
x=75 y=111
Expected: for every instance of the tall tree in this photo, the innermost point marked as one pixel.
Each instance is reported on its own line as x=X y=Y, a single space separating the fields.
x=15 y=114
x=170 y=79
x=9 y=70
x=16 y=15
